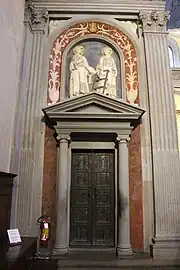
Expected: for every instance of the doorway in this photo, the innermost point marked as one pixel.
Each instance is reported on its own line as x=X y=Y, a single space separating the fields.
x=92 y=208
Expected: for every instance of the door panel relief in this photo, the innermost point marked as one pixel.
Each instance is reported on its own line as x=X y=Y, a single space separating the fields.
x=92 y=198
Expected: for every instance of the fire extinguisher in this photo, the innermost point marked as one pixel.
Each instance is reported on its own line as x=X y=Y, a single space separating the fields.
x=44 y=222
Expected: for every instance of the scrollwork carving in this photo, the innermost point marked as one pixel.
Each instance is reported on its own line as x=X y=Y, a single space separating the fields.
x=122 y=138
x=154 y=21
x=63 y=138
x=37 y=18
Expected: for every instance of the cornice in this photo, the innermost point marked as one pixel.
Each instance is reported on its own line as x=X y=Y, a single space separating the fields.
x=73 y=111
x=103 y=116
x=105 y=6
x=109 y=104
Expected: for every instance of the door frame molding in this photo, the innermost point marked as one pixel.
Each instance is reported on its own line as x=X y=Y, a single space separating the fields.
x=96 y=146
x=92 y=113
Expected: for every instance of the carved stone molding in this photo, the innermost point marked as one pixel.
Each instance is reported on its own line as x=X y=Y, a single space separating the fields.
x=153 y=21
x=104 y=6
x=63 y=138
x=122 y=138
x=53 y=24
x=37 y=18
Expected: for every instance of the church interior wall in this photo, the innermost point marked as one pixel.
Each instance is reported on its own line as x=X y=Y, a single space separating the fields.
x=11 y=30
x=141 y=188
x=48 y=203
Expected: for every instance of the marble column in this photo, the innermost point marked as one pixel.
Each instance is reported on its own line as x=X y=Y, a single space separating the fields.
x=123 y=247
x=165 y=157
x=28 y=137
x=61 y=240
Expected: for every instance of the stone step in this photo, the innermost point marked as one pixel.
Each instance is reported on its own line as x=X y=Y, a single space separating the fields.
x=144 y=264
x=125 y=268
x=102 y=260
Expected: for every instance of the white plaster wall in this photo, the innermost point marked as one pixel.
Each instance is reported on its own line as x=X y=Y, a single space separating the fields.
x=11 y=40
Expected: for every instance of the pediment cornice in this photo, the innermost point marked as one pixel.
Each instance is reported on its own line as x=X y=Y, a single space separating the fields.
x=93 y=106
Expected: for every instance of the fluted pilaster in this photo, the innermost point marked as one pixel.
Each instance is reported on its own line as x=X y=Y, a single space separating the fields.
x=166 y=171
x=28 y=139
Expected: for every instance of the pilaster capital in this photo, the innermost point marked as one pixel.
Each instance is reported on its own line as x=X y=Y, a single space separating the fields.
x=37 y=18
x=122 y=139
x=153 y=21
x=63 y=138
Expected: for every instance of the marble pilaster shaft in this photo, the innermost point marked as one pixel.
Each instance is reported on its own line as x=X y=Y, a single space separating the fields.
x=61 y=244
x=166 y=170
x=28 y=137
x=124 y=246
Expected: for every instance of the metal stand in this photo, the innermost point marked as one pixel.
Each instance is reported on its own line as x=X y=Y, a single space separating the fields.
x=43 y=250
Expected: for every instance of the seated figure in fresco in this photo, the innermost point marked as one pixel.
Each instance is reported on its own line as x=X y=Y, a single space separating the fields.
x=107 y=73
x=80 y=73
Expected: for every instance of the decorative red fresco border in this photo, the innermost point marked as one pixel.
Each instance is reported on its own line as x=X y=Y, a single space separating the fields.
x=88 y=29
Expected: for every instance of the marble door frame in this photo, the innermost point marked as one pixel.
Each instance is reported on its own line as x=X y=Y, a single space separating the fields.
x=122 y=216
x=92 y=113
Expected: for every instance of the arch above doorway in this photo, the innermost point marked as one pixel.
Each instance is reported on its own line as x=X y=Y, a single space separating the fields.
x=98 y=30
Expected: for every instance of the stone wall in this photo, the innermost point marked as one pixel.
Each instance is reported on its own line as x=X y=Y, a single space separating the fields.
x=11 y=32
x=135 y=173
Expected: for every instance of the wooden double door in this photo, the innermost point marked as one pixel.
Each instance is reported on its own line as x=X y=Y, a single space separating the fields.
x=92 y=209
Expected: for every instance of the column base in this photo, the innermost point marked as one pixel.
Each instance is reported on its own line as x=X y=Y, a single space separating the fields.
x=124 y=252
x=165 y=247
x=59 y=251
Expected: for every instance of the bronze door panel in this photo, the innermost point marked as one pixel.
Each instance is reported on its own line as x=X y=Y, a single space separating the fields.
x=92 y=198
x=103 y=176
x=80 y=231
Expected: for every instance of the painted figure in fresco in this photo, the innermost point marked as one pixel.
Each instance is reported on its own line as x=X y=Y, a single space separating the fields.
x=80 y=73
x=107 y=73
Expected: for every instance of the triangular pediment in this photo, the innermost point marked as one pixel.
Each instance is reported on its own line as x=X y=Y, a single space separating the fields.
x=93 y=104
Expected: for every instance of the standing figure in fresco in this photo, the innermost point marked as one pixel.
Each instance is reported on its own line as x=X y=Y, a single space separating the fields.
x=81 y=73
x=107 y=73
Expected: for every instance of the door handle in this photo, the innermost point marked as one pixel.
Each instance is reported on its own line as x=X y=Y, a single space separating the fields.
x=94 y=195
x=89 y=193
